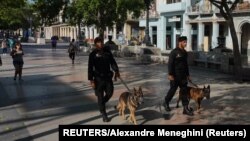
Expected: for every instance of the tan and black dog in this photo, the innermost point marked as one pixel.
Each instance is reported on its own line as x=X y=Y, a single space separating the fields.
x=131 y=101
x=197 y=94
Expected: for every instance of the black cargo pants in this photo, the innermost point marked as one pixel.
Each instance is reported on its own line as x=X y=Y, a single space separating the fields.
x=104 y=90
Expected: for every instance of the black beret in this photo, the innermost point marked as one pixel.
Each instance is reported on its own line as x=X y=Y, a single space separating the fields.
x=182 y=38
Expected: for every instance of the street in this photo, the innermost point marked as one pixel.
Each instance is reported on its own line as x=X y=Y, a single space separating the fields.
x=55 y=92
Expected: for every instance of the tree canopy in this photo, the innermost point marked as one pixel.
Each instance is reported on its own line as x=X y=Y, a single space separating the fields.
x=48 y=9
x=103 y=13
x=11 y=13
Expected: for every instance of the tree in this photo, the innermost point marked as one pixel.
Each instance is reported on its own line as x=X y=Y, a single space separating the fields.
x=106 y=13
x=48 y=9
x=73 y=12
x=11 y=14
x=226 y=9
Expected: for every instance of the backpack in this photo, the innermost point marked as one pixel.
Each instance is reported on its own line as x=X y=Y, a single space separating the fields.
x=71 y=48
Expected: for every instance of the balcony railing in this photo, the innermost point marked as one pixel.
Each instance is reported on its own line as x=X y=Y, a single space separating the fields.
x=243 y=7
x=196 y=9
x=152 y=14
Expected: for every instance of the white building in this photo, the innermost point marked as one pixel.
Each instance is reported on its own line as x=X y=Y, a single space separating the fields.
x=200 y=21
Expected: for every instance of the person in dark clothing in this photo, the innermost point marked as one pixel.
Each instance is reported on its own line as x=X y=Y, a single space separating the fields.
x=17 y=55
x=0 y=61
x=54 y=42
x=178 y=74
x=110 y=44
x=72 y=50
x=100 y=75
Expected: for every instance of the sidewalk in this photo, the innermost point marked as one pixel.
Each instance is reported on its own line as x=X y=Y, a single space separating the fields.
x=55 y=92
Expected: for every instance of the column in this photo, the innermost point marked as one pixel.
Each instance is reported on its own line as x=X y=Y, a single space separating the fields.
x=161 y=33
x=174 y=31
x=95 y=33
x=200 y=36
x=187 y=32
x=107 y=33
x=215 y=34
x=151 y=34
x=86 y=32
x=91 y=33
x=239 y=39
x=114 y=32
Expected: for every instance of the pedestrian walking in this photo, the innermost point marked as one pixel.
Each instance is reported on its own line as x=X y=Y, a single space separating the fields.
x=17 y=55
x=0 y=61
x=178 y=74
x=4 y=46
x=54 y=42
x=111 y=44
x=100 y=74
x=11 y=43
x=72 y=50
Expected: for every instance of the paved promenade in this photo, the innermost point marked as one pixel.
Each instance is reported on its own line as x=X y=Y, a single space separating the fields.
x=56 y=92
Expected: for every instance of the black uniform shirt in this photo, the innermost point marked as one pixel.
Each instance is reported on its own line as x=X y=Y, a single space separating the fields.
x=177 y=63
x=100 y=64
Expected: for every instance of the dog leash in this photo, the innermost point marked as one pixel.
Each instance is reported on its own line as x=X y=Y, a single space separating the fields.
x=124 y=84
x=193 y=84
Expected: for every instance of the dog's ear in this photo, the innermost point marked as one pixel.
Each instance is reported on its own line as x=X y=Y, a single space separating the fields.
x=204 y=87
x=208 y=86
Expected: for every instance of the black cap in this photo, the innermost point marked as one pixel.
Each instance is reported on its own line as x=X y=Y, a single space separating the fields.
x=182 y=38
x=98 y=39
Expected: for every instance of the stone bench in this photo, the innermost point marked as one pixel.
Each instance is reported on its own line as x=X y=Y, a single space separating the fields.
x=208 y=60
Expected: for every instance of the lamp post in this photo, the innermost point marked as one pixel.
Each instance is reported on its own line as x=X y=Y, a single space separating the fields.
x=147 y=37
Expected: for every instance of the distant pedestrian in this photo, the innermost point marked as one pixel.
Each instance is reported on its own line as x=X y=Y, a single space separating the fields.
x=0 y=61
x=11 y=43
x=4 y=46
x=111 y=44
x=17 y=55
x=53 y=42
x=72 y=50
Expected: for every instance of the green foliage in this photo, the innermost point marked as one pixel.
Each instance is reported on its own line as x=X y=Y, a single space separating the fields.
x=103 y=13
x=11 y=14
x=48 y=9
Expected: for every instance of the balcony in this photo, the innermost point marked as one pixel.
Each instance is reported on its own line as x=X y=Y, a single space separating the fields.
x=173 y=7
x=243 y=7
x=205 y=10
x=152 y=15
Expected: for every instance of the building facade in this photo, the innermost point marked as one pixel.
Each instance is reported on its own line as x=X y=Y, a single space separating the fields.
x=200 y=21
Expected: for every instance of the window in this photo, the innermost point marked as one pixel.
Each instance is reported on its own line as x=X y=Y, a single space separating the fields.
x=173 y=1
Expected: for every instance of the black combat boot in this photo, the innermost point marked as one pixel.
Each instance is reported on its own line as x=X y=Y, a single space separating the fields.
x=166 y=106
x=187 y=111
x=105 y=117
x=190 y=109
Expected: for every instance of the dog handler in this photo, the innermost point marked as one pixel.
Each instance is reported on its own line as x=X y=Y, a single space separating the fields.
x=100 y=75
x=178 y=74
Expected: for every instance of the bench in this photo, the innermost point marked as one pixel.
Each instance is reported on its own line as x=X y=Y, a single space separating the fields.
x=208 y=60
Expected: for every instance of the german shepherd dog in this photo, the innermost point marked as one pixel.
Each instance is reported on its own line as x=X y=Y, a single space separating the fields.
x=131 y=101
x=197 y=94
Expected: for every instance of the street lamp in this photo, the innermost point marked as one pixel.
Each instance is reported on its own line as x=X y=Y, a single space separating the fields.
x=147 y=37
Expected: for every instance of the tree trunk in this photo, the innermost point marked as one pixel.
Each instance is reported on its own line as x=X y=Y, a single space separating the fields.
x=236 y=51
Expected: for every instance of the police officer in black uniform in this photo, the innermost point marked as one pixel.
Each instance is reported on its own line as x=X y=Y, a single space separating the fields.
x=100 y=75
x=178 y=74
